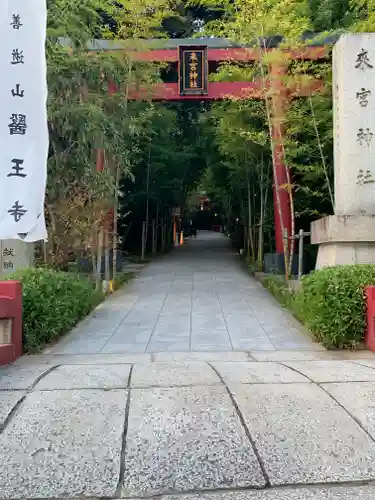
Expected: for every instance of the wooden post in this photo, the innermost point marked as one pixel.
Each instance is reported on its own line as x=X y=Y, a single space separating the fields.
x=99 y=258
x=162 y=235
x=175 y=240
x=286 y=245
x=300 y=254
x=153 y=237
x=156 y=228
x=143 y=240
x=107 y=272
x=170 y=233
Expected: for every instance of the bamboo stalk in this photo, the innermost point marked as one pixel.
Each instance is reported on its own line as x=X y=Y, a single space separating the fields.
x=107 y=272
x=99 y=258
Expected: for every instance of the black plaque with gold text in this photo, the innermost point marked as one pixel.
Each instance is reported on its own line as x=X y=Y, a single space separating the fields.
x=193 y=70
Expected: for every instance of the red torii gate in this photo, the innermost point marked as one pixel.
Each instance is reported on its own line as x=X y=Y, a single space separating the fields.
x=281 y=95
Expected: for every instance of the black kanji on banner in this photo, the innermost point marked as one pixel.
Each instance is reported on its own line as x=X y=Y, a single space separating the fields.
x=193 y=70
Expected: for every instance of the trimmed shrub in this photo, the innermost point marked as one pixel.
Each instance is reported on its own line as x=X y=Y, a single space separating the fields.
x=53 y=302
x=332 y=304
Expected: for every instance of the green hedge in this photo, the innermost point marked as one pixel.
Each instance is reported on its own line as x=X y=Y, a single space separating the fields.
x=331 y=303
x=53 y=302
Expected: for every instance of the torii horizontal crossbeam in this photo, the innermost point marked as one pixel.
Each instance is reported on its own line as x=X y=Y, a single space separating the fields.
x=219 y=49
x=232 y=54
x=221 y=90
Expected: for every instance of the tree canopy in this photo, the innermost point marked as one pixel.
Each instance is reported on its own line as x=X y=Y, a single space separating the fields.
x=153 y=156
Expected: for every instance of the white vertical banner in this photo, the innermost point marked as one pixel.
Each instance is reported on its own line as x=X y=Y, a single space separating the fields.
x=23 y=119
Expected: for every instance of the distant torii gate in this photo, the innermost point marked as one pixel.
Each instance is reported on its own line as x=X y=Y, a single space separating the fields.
x=218 y=51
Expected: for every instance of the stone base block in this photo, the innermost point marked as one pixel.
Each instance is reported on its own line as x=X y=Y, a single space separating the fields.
x=344 y=239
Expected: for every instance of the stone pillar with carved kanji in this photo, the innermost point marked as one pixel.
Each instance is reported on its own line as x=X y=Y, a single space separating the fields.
x=348 y=236
x=14 y=255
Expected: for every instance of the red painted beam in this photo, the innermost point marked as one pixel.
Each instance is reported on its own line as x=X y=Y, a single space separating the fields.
x=221 y=90
x=232 y=54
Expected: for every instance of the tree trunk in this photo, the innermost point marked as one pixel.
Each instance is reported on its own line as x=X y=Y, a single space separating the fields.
x=156 y=229
x=107 y=271
x=147 y=194
x=153 y=237
x=99 y=259
x=250 y=242
x=263 y=199
x=94 y=246
x=115 y=225
x=162 y=235
x=144 y=242
x=117 y=186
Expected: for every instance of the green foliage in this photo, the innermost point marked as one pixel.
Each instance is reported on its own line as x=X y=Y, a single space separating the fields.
x=330 y=303
x=239 y=170
x=308 y=138
x=309 y=145
x=167 y=161
x=85 y=117
x=160 y=150
x=53 y=302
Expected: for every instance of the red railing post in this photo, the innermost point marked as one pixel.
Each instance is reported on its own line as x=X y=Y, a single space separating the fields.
x=10 y=321
x=370 y=317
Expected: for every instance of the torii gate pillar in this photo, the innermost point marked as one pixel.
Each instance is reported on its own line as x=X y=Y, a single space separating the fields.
x=281 y=175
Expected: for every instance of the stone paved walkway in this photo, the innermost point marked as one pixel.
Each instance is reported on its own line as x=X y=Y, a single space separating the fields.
x=198 y=298
x=87 y=421
x=131 y=426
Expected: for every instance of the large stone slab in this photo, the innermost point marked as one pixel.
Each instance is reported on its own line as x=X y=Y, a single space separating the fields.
x=63 y=443
x=333 y=493
x=15 y=377
x=366 y=362
x=203 y=347
x=303 y=436
x=289 y=355
x=83 y=359
x=257 y=373
x=171 y=345
x=202 y=356
x=173 y=375
x=86 y=377
x=359 y=399
x=111 y=348
x=184 y=439
x=8 y=400
x=85 y=345
x=333 y=371
x=250 y=343
x=362 y=354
